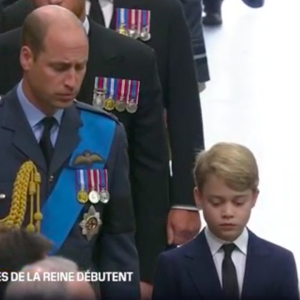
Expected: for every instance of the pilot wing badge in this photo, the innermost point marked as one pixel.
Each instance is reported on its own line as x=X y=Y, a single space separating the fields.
x=87 y=158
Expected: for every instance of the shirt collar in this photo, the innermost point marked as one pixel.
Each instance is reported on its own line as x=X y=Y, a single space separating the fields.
x=33 y=114
x=215 y=243
x=86 y=25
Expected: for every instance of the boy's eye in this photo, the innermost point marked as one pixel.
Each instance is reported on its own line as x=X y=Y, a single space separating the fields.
x=215 y=201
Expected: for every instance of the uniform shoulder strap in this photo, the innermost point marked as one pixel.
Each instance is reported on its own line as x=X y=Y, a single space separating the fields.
x=92 y=109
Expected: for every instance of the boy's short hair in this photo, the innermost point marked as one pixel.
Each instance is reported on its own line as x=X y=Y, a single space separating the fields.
x=234 y=163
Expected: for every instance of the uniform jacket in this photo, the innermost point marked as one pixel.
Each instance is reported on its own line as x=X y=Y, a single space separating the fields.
x=193 y=14
x=115 y=56
x=115 y=240
x=189 y=272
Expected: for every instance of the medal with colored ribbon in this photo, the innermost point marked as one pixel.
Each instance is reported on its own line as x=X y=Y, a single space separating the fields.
x=82 y=184
x=99 y=92
x=145 y=33
x=104 y=194
x=122 y=21
x=133 y=15
x=121 y=92
x=94 y=186
x=109 y=103
x=132 y=100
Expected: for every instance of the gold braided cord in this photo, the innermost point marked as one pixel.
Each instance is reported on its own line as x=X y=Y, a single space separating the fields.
x=26 y=187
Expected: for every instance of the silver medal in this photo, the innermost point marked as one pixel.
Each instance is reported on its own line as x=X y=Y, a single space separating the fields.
x=94 y=197
x=104 y=196
x=145 y=35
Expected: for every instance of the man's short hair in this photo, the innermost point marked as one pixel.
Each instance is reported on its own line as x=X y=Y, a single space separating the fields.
x=19 y=248
x=34 y=31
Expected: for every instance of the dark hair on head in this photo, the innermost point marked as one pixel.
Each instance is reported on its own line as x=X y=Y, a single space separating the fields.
x=19 y=248
x=34 y=31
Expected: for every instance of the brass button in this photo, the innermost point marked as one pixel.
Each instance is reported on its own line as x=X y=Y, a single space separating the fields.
x=51 y=178
x=2 y=196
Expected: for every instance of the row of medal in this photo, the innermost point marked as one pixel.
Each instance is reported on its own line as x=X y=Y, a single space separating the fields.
x=118 y=94
x=134 y=23
x=93 y=186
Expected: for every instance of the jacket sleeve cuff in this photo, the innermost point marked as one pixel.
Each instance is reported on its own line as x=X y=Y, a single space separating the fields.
x=185 y=207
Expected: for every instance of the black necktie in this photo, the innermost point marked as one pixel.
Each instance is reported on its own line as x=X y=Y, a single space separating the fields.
x=229 y=277
x=45 y=142
x=96 y=12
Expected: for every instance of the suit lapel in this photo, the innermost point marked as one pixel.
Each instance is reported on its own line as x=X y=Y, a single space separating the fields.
x=23 y=137
x=202 y=269
x=256 y=272
x=68 y=138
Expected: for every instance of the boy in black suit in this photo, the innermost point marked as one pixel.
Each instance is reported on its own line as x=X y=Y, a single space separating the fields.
x=226 y=260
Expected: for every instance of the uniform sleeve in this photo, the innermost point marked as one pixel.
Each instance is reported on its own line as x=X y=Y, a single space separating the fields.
x=115 y=249
x=183 y=109
x=149 y=170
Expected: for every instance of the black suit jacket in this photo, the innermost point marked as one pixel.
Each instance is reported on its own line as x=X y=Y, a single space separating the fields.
x=171 y=41
x=112 y=55
x=189 y=272
x=13 y=16
x=115 y=240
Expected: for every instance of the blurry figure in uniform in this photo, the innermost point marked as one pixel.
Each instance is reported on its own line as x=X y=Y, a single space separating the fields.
x=121 y=78
x=44 y=289
x=192 y=10
x=213 y=12
x=161 y=25
x=19 y=248
x=65 y=163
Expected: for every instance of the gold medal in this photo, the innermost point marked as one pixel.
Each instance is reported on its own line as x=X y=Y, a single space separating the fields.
x=82 y=196
x=122 y=30
x=109 y=104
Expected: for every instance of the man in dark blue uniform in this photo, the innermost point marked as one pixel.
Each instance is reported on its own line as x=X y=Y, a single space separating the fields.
x=64 y=165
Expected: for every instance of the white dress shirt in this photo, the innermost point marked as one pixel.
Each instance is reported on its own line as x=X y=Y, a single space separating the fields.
x=238 y=256
x=107 y=10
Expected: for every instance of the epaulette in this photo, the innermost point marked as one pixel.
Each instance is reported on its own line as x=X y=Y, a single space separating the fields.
x=92 y=109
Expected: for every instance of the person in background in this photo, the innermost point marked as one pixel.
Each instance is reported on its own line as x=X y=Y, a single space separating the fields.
x=19 y=248
x=192 y=10
x=226 y=260
x=49 y=290
x=213 y=10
